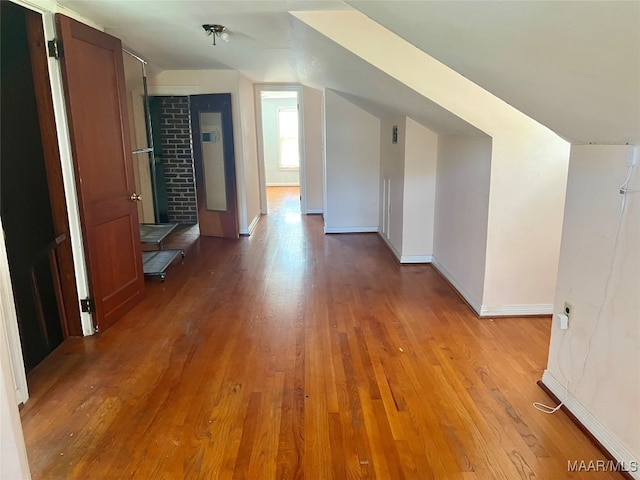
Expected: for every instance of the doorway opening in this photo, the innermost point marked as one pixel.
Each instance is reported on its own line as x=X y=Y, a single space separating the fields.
x=280 y=145
x=32 y=200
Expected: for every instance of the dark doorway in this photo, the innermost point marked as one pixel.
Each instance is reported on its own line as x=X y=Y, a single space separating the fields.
x=32 y=201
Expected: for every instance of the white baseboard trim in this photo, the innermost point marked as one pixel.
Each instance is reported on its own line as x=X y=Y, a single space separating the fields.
x=283 y=184
x=416 y=259
x=314 y=211
x=350 y=229
x=405 y=258
x=491 y=310
x=473 y=303
x=252 y=226
x=390 y=245
x=516 y=310
x=608 y=440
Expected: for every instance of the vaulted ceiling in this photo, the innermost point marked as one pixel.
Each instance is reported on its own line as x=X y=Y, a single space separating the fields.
x=572 y=66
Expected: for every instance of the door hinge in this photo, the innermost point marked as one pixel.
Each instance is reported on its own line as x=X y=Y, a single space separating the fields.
x=55 y=48
x=88 y=305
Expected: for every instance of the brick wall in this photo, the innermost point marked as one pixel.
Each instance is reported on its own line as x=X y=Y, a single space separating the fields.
x=177 y=155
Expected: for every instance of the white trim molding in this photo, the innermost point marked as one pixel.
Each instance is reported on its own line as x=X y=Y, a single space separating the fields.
x=416 y=259
x=10 y=329
x=493 y=310
x=258 y=88
x=393 y=249
x=351 y=229
x=405 y=258
x=516 y=310
x=252 y=225
x=314 y=211
x=608 y=440
x=473 y=303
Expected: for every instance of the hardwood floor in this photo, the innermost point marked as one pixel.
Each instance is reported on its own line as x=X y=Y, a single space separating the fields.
x=292 y=354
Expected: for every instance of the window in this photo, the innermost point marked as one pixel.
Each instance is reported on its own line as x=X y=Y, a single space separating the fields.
x=288 y=151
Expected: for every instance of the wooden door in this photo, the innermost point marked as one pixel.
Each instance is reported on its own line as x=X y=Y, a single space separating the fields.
x=93 y=76
x=215 y=165
x=32 y=202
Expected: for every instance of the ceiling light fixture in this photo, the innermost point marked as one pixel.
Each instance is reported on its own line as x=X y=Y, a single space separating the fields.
x=219 y=31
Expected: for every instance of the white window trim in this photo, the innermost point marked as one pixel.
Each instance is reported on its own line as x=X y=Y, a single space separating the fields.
x=280 y=165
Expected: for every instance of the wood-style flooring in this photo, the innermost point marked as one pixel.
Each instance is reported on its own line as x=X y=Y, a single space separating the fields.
x=294 y=354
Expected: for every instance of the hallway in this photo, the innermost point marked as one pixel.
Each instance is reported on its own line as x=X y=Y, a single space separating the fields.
x=292 y=354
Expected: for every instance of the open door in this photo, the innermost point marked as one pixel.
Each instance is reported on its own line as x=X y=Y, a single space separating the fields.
x=214 y=164
x=32 y=198
x=93 y=76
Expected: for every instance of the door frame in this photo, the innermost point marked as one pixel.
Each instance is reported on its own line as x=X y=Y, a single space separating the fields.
x=66 y=162
x=69 y=309
x=75 y=232
x=266 y=87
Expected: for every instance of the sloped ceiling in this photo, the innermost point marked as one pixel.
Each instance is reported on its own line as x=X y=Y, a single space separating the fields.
x=573 y=66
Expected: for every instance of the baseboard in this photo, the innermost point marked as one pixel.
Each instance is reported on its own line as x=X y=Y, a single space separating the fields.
x=516 y=310
x=472 y=302
x=283 y=184
x=483 y=311
x=390 y=246
x=405 y=258
x=252 y=226
x=606 y=441
x=416 y=259
x=314 y=211
x=350 y=229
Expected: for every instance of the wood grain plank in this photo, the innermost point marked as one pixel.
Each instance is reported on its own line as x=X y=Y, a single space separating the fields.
x=292 y=354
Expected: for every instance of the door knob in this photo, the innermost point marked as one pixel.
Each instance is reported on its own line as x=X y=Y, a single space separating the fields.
x=136 y=197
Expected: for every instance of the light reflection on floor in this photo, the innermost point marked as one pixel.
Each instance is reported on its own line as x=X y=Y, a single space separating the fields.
x=292 y=217
x=284 y=205
x=287 y=277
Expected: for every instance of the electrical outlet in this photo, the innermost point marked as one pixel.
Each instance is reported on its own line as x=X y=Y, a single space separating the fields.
x=568 y=308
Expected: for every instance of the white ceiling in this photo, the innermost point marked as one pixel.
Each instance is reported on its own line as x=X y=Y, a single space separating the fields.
x=573 y=66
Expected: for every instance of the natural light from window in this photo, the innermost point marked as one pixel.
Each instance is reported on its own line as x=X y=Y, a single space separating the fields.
x=288 y=152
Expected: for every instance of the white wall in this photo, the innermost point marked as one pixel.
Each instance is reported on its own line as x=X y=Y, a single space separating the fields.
x=249 y=137
x=609 y=388
x=192 y=82
x=312 y=118
x=462 y=210
x=275 y=175
x=528 y=165
x=408 y=189
x=420 y=163
x=352 y=167
x=526 y=205
x=392 y=178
